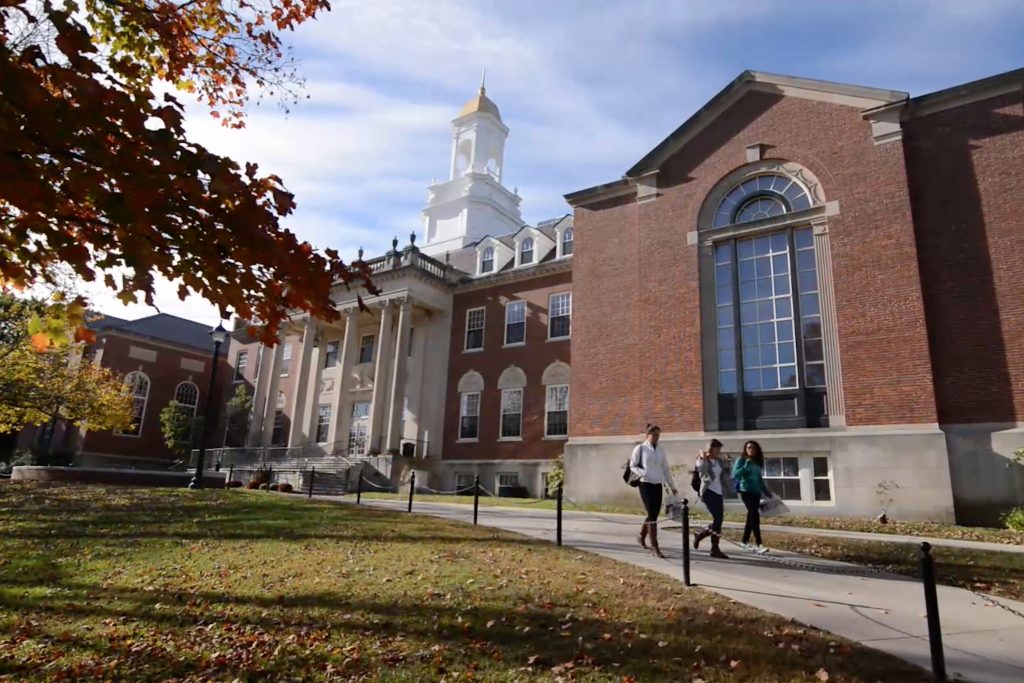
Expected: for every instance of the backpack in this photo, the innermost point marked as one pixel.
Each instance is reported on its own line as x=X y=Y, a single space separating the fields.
x=627 y=473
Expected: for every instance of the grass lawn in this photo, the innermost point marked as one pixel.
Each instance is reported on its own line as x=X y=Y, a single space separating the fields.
x=997 y=573
x=928 y=529
x=120 y=584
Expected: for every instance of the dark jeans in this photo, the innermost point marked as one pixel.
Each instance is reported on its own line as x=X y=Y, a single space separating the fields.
x=753 y=526
x=716 y=506
x=650 y=494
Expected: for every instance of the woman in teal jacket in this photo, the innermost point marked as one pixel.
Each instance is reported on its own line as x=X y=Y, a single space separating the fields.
x=748 y=473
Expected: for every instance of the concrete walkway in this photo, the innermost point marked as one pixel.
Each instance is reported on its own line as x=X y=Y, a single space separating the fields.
x=983 y=643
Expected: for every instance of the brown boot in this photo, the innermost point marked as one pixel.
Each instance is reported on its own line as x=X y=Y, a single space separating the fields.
x=700 y=537
x=715 y=550
x=654 y=539
x=643 y=535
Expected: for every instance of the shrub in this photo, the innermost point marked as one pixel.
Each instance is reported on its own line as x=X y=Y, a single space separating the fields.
x=273 y=487
x=1014 y=519
x=253 y=484
x=264 y=487
x=285 y=488
x=234 y=484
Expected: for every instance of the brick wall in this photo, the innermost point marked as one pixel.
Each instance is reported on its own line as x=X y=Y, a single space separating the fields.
x=966 y=174
x=639 y=359
x=164 y=373
x=532 y=358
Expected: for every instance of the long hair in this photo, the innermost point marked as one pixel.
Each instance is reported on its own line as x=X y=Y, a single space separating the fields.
x=758 y=453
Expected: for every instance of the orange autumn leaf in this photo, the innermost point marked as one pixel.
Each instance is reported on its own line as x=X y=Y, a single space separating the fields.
x=40 y=341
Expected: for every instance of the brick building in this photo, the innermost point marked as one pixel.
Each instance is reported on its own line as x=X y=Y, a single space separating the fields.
x=163 y=358
x=829 y=269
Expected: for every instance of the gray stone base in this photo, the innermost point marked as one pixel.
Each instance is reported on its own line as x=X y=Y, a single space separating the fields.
x=914 y=457
x=530 y=473
x=986 y=480
x=84 y=475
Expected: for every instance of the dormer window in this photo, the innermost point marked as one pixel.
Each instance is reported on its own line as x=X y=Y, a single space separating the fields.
x=487 y=260
x=526 y=252
x=567 y=242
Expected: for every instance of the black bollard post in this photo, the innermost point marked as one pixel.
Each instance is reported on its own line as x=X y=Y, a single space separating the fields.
x=231 y=476
x=686 y=542
x=476 y=498
x=412 y=488
x=931 y=605
x=359 y=487
x=558 y=533
x=312 y=478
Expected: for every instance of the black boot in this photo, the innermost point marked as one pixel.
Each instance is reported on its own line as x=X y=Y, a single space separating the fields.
x=654 y=539
x=700 y=537
x=643 y=535
x=715 y=550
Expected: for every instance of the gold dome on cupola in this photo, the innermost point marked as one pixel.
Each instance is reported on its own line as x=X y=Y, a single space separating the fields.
x=480 y=104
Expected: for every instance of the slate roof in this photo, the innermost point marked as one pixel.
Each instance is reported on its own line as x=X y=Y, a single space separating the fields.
x=163 y=327
x=465 y=259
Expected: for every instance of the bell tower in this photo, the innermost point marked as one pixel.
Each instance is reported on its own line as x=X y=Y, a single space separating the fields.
x=473 y=202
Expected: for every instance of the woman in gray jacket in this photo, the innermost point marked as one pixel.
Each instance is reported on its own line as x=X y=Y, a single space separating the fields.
x=714 y=482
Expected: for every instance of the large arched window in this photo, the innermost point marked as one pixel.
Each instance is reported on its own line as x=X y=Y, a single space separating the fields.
x=138 y=386
x=187 y=396
x=760 y=197
x=760 y=294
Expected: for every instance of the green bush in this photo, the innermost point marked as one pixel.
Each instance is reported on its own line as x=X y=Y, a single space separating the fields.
x=1014 y=519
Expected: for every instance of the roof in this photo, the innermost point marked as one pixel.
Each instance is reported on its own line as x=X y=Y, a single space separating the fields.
x=465 y=259
x=163 y=327
x=480 y=103
x=1010 y=80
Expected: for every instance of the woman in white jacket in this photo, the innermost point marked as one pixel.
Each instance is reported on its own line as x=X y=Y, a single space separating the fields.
x=649 y=464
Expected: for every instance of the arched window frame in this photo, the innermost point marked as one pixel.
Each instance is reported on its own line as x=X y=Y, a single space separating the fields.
x=526 y=252
x=814 y=406
x=186 y=395
x=487 y=261
x=567 y=237
x=139 y=383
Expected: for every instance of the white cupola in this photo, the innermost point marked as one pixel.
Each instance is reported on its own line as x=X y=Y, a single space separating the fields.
x=473 y=202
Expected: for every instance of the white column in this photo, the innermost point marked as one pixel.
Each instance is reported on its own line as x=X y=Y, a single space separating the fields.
x=270 y=406
x=259 y=396
x=300 y=417
x=349 y=349
x=829 y=327
x=378 y=406
x=393 y=432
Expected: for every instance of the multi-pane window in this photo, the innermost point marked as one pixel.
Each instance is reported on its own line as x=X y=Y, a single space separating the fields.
x=515 y=322
x=567 y=242
x=487 y=260
x=366 y=343
x=277 y=435
x=323 y=422
x=358 y=432
x=475 y=328
x=469 y=415
x=508 y=479
x=511 y=413
x=286 y=360
x=761 y=197
x=559 y=315
x=464 y=483
x=754 y=278
x=241 y=360
x=186 y=395
x=331 y=354
x=138 y=385
x=810 y=309
x=556 y=422
x=822 y=482
x=782 y=475
x=526 y=252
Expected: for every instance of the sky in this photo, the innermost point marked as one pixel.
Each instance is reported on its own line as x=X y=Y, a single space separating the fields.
x=587 y=87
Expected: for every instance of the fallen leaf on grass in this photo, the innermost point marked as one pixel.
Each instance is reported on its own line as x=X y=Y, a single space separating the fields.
x=734 y=664
x=822 y=675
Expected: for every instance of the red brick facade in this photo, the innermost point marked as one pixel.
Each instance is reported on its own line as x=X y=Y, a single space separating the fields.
x=533 y=358
x=966 y=168
x=884 y=347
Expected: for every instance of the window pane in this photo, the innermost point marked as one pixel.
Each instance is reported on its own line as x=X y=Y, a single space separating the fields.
x=723 y=294
x=784 y=330
x=822 y=490
x=745 y=249
x=763 y=267
x=746 y=270
x=762 y=245
x=787 y=353
x=752 y=380
x=751 y=357
x=813 y=351
x=723 y=274
x=787 y=377
x=748 y=292
x=773 y=467
x=782 y=284
x=780 y=263
x=809 y=305
x=780 y=244
x=805 y=259
x=726 y=359
x=821 y=467
x=790 y=467
x=815 y=375
x=560 y=327
x=791 y=489
x=784 y=308
x=812 y=328
x=515 y=333
x=764 y=288
x=767 y=333
x=726 y=339
x=749 y=334
x=807 y=280
x=803 y=238
x=723 y=253
x=769 y=379
x=768 y=355
x=727 y=382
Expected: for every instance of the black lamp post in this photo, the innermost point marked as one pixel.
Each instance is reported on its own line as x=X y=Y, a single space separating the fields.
x=218 y=335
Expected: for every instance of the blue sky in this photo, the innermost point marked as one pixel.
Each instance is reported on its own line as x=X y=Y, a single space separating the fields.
x=587 y=87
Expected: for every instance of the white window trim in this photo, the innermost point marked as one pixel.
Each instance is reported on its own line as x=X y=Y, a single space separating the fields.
x=519 y=252
x=194 y=406
x=480 y=261
x=504 y=334
x=806 y=478
x=462 y=405
x=501 y=414
x=330 y=415
x=145 y=407
x=286 y=355
x=550 y=317
x=359 y=351
x=483 y=329
x=235 y=377
x=547 y=405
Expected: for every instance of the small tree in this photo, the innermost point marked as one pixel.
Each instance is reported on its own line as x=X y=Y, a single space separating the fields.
x=237 y=420
x=556 y=477
x=178 y=424
x=885 y=498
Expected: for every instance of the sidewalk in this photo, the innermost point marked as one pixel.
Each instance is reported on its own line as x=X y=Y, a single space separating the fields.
x=983 y=643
